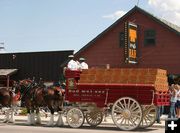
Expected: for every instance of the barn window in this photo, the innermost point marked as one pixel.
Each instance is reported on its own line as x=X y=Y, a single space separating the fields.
x=121 y=39
x=149 y=37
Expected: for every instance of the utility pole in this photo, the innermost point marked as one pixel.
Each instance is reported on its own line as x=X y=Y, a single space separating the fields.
x=2 y=48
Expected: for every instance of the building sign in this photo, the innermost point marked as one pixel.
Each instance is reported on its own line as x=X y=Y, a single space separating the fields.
x=130 y=43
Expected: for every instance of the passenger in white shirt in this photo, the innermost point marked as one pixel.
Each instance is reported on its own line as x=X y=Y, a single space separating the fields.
x=72 y=65
x=83 y=64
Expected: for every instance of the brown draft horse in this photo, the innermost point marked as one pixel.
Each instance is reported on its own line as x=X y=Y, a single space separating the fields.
x=8 y=100
x=5 y=97
x=36 y=95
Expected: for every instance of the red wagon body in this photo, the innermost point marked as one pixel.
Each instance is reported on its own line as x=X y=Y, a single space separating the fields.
x=132 y=104
x=103 y=94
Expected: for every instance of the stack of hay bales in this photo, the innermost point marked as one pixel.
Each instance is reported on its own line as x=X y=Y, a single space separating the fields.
x=157 y=77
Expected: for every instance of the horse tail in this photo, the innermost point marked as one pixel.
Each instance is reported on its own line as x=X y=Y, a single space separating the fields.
x=59 y=100
x=11 y=98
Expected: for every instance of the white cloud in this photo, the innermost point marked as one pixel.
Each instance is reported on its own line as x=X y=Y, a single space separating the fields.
x=115 y=15
x=168 y=9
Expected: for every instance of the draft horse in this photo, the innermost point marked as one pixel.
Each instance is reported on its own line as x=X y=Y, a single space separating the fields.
x=35 y=95
x=9 y=100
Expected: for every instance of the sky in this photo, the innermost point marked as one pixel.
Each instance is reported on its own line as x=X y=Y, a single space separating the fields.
x=55 y=25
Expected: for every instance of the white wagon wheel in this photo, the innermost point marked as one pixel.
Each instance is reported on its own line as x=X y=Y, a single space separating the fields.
x=75 y=118
x=149 y=116
x=127 y=113
x=94 y=117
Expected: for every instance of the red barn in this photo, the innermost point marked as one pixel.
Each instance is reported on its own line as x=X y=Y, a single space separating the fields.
x=158 y=44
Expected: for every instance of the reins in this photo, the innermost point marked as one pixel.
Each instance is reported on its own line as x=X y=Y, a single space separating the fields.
x=26 y=90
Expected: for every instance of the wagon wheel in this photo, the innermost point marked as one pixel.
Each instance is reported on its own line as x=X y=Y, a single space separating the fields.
x=94 y=118
x=75 y=118
x=149 y=116
x=127 y=113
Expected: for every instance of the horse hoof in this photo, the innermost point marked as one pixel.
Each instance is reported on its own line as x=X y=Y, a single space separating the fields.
x=50 y=125
x=59 y=125
x=31 y=124
x=10 y=121
x=5 y=121
x=38 y=123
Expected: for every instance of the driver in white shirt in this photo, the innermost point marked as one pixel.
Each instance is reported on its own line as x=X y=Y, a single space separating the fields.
x=72 y=65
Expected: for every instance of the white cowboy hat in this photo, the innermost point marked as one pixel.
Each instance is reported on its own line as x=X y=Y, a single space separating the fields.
x=71 y=56
x=82 y=59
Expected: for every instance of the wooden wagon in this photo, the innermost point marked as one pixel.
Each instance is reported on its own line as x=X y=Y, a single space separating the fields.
x=131 y=95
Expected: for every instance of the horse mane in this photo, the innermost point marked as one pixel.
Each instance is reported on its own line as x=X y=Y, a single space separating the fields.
x=26 y=82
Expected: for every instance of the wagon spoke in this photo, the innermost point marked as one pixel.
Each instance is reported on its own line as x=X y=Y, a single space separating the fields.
x=118 y=108
x=117 y=111
x=136 y=112
x=128 y=123
x=121 y=104
x=135 y=108
x=135 y=115
x=133 y=123
x=148 y=118
x=122 y=120
x=132 y=105
x=125 y=105
x=129 y=103
x=119 y=118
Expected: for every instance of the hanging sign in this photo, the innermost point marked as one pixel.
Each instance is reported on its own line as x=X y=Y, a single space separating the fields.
x=130 y=43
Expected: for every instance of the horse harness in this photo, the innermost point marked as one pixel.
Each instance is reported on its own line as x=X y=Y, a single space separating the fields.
x=28 y=88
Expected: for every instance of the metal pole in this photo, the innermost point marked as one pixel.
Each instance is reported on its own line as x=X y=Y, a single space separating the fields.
x=8 y=82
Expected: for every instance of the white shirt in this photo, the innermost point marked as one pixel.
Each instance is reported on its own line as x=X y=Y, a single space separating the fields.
x=173 y=98
x=72 y=65
x=84 y=65
x=78 y=65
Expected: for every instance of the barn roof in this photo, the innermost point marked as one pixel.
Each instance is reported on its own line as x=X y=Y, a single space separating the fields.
x=174 y=28
x=164 y=22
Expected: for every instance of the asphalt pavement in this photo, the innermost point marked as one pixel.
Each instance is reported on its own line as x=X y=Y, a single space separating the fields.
x=23 y=119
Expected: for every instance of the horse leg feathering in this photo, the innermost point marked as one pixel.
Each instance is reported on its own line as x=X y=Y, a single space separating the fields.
x=60 y=120
x=7 y=113
x=12 y=112
x=51 y=122
x=31 y=117
x=38 y=117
